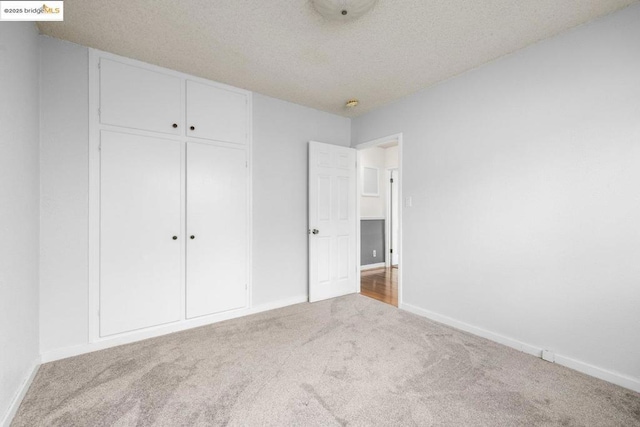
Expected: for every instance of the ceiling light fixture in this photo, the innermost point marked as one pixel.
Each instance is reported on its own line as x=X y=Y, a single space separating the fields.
x=343 y=9
x=352 y=103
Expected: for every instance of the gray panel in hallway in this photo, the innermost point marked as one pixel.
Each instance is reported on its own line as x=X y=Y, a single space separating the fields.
x=372 y=238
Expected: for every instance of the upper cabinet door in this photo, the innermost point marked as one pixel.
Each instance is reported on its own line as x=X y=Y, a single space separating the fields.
x=138 y=98
x=216 y=114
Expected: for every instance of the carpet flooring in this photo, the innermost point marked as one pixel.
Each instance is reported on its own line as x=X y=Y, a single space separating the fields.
x=347 y=361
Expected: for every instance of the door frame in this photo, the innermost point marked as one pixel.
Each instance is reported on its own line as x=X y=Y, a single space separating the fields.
x=369 y=144
x=388 y=223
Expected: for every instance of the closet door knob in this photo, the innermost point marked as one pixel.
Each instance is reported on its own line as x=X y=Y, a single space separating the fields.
x=193 y=237
x=175 y=237
x=192 y=128
x=175 y=125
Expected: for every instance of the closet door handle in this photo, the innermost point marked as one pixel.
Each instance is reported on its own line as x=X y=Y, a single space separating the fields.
x=192 y=237
x=175 y=237
x=175 y=125
x=192 y=127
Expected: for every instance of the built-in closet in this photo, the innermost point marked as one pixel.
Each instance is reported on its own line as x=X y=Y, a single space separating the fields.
x=171 y=197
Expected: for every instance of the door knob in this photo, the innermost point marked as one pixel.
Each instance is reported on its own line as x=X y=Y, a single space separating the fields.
x=315 y=231
x=175 y=237
x=192 y=128
x=192 y=237
x=175 y=125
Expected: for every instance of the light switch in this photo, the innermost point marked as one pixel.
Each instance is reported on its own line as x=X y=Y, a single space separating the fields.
x=408 y=202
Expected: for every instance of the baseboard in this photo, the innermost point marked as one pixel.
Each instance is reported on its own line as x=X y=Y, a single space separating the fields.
x=603 y=374
x=63 y=353
x=372 y=266
x=17 y=399
x=501 y=339
x=585 y=368
x=280 y=303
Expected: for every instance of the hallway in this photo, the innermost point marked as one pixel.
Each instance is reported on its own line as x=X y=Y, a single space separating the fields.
x=380 y=284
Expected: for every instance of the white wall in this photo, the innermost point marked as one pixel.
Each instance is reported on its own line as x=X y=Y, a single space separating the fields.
x=391 y=157
x=373 y=206
x=19 y=210
x=64 y=194
x=281 y=132
x=524 y=176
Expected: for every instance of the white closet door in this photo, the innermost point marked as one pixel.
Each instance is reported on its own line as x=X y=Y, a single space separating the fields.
x=217 y=114
x=138 y=98
x=216 y=229
x=139 y=218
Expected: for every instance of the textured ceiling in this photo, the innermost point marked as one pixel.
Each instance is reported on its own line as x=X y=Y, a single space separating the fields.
x=285 y=49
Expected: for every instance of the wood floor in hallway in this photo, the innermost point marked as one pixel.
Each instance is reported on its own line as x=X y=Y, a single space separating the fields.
x=380 y=284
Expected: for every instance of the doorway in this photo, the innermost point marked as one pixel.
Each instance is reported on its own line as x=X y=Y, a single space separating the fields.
x=379 y=211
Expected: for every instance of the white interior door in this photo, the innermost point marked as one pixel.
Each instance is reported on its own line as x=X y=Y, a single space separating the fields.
x=138 y=98
x=332 y=221
x=140 y=237
x=215 y=113
x=216 y=229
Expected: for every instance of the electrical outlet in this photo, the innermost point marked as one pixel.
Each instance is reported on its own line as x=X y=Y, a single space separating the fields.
x=408 y=202
x=374 y=253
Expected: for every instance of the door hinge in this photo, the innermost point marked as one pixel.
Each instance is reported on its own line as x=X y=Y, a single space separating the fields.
x=392 y=180
x=99 y=113
x=100 y=146
x=391 y=251
x=99 y=62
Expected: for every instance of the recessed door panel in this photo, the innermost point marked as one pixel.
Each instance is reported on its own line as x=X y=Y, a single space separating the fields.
x=343 y=198
x=216 y=229
x=140 y=236
x=344 y=257
x=138 y=98
x=324 y=258
x=216 y=114
x=324 y=198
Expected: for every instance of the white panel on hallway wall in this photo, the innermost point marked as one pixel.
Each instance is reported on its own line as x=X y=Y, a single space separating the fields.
x=370 y=181
x=371 y=168
x=139 y=98
x=216 y=113
x=140 y=236
x=216 y=229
